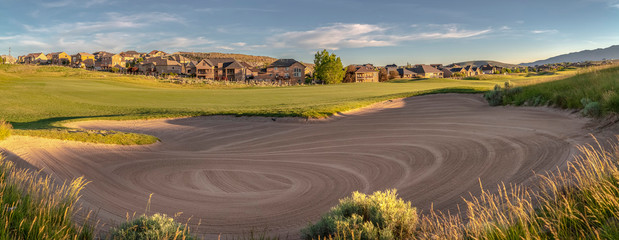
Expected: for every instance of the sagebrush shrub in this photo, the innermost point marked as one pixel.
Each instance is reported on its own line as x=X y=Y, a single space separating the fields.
x=381 y=215
x=157 y=226
x=590 y=108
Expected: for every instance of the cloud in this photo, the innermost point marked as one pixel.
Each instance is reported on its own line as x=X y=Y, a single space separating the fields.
x=212 y=10
x=342 y=35
x=73 y=3
x=8 y=38
x=113 y=21
x=550 y=31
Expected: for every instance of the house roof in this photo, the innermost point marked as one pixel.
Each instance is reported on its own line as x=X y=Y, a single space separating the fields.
x=458 y=69
x=226 y=62
x=364 y=70
x=423 y=68
x=85 y=54
x=404 y=71
x=246 y=65
x=283 y=63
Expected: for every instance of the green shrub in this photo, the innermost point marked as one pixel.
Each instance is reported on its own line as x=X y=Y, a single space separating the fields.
x=157 y=226
x=495 y=96
x=5 y=130
x=590 y=108
x=381 y=215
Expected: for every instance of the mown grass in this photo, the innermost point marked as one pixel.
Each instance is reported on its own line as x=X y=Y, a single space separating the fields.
x=91 y=136
x=34 y=207
x=44 y=97
x=581 y=202
x=596 y=85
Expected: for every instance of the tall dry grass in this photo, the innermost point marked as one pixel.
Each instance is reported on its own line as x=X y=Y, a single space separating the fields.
x=34 y=207
x=5 y=130
x=581 y=202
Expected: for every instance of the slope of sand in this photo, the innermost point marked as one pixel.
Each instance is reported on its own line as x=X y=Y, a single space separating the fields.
x=243 y=174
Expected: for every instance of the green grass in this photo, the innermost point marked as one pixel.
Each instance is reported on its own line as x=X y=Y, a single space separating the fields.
x=44 y=97
x=597 y=85
x=34 y=207
x=5 y=130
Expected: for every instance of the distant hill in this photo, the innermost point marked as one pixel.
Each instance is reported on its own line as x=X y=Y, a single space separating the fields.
x=256 y=61
x=611 y=52
x=485 y=62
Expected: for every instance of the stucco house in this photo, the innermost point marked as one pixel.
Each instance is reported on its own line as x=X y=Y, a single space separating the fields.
x=83 y=60
x=60 y=58
x=226 y=69
x=287 y=71
x=427 y=71
x=34 y=58
x=365 y=74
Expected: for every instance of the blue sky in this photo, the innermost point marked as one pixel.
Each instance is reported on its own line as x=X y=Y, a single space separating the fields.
x=362 y=31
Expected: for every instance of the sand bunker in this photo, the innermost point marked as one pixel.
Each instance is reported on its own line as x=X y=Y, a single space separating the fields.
x=239 y=174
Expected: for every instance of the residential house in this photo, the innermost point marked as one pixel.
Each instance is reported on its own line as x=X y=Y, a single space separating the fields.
x=106 y=61
x=226 y=69
x=250 y=71
x=156 y=53
x=180 y=59
x=366 y=74
x=406 y=73
x=189 y=68
x=83 y=60
x=287 y=70
x=446 y=72
x=487 y=69
x=470 y=71
x=60 y=58
x=160 y=65
x=129 y=56
x=34 y=58
x=427 y=71
x=8 y=59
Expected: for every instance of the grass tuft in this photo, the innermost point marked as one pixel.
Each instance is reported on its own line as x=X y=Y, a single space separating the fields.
x=5 y=130
x=34 y=207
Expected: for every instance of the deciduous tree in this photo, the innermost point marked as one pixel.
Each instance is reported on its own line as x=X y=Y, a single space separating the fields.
x=328 y=68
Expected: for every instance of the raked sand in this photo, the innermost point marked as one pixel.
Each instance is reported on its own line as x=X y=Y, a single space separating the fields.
x=235 y=175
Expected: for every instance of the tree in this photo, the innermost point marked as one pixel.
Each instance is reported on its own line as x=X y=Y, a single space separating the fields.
x=393 y=75
x=382 y=75
x=349 y=77
x=328 y=67
x=2 y=60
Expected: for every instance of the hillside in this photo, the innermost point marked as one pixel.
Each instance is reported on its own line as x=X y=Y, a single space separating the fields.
x=479 y=63
x=252 y=60
x=611 y=52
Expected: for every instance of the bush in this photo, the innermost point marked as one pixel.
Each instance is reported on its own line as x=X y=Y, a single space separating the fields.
x=5 y=130
x=378 y=216
x=590 y=108
x=495 y=96
x=158 y=226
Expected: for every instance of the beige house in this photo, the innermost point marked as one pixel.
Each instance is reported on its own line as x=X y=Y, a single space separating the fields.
x=366 y=74
x=156 y=53
x=287 y=70
x=130 y=55
x=105 y=61
x=34 y=58
x=427 y=71
x=83 y=60
x=8 y=59
x=226 y=69
x=160 y=65
x=60 y=58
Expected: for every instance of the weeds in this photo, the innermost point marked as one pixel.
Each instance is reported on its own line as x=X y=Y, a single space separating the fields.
x=5 y=130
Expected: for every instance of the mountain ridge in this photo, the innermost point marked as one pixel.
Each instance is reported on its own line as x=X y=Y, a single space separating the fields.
x=598 y=54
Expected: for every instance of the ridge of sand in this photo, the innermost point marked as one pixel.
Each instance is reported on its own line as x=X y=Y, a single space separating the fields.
x=251 y=174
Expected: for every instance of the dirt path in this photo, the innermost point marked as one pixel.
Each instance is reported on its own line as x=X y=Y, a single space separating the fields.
x=239 y=174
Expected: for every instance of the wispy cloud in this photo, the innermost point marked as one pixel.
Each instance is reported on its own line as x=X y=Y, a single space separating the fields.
x=74 y=3
x=545 y=31
x=342 y=35
x=114 y=21
x=212 y=10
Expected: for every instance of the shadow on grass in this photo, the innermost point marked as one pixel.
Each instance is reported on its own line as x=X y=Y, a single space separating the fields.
x=49 y=123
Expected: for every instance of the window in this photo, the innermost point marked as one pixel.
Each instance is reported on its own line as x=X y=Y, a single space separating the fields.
x=275 y=68
x=287 y=69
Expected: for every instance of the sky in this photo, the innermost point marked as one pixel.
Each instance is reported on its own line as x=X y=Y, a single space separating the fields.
x=362 y=31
